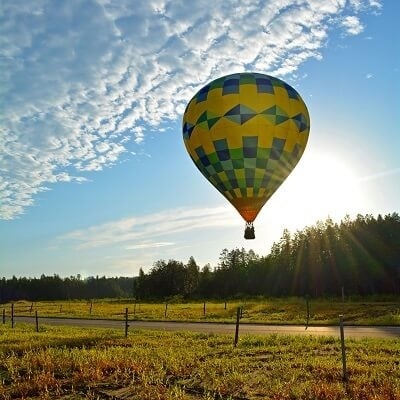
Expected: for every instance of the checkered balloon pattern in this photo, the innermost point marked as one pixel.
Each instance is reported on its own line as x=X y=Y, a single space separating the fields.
x=245 y=133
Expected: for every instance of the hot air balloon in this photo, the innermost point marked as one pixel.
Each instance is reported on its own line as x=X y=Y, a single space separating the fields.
x=246 y=132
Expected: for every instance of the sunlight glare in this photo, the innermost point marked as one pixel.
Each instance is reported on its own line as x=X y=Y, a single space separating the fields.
x=321 y=186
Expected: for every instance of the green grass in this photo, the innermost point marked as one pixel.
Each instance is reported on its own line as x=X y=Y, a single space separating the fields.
x=74 y=363
x=267 y=311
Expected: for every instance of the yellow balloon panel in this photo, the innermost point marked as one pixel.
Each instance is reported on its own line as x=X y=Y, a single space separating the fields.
x=245 y=133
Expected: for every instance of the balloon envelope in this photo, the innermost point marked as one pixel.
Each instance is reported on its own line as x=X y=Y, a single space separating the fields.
x=246 y=132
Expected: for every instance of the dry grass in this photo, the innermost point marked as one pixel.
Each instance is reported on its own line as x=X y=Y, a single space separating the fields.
x=73 y=363
x=268 y=311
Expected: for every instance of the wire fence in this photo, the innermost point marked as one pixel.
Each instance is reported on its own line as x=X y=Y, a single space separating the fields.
x=111 y=310
x=295 y=311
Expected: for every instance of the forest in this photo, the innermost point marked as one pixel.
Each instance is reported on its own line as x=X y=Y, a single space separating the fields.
x=361 y=255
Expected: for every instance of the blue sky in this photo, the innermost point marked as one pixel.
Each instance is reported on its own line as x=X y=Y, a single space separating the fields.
x=94 y=176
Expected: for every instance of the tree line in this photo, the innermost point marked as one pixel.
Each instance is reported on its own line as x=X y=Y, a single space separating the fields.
x=70 y=288
x=362 y=255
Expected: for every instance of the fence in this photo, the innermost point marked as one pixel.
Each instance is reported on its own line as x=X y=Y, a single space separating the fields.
x=24 y=310
x=296 y=311
x=111 y=310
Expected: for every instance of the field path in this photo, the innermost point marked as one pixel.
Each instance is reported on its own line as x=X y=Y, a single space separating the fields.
x=253 y=329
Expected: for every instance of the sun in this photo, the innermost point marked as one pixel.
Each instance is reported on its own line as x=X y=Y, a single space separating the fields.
x=331 y=184
x=322 y=185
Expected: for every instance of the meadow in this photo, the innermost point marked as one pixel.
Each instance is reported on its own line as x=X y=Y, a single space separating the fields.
x=74 y=363
x=368 y=311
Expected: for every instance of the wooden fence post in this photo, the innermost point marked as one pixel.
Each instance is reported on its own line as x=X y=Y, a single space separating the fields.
x=37 y=321
x=12 y=315
x=90 y=310
x=308 y=310
x=204 y=309
x=237 y=326
x=166 y=309
x=344 y=377
x=4 y=315
x=134 y=308
x=126 y=322
x=225 y=305
x=31 y=309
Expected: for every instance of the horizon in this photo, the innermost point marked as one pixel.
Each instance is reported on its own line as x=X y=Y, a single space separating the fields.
x=213 y=267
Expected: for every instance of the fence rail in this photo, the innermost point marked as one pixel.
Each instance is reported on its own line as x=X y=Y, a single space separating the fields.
x=296 y=311
x=149 y=311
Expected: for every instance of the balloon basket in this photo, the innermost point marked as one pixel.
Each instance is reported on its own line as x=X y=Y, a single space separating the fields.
x=249 y=231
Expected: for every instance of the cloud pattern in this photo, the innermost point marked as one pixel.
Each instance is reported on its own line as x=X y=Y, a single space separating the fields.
x=83 y=80
x=146 y=228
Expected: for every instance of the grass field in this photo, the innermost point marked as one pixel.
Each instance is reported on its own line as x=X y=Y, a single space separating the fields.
x=73 y=363
x=268 y=311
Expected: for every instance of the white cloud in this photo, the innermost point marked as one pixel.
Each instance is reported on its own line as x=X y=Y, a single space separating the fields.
x=145 y=231
x=352 y=25
x=149 y=245
x=359 y=5
x=82 y=81
x=369 y=76
x=380 y=175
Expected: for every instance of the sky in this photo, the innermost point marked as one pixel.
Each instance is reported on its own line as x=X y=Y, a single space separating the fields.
x=94 y=175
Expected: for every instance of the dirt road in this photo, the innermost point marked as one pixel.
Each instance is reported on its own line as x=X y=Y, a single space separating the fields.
x=253 y=329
